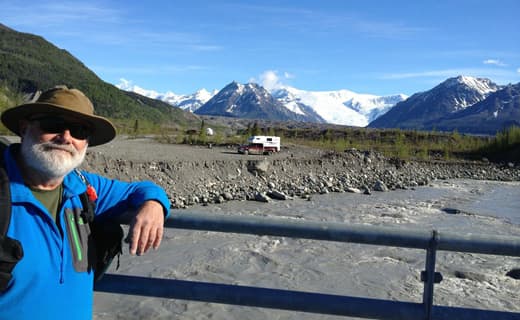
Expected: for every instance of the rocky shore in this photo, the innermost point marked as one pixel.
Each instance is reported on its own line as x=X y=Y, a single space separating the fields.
x=197 y=175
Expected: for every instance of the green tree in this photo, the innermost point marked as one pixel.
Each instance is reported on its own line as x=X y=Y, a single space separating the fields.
x=327 y=135
x=402 y=150
x=455 y=135
x=136 y=126
x=202 y=133
x=256 y=129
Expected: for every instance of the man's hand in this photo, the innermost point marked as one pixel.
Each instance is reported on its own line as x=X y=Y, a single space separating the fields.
x=146 y=228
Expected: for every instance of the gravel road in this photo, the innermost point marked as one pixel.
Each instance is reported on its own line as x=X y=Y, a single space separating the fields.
x=146 y=149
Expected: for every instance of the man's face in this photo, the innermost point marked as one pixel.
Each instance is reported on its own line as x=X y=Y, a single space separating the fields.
x=53 y=145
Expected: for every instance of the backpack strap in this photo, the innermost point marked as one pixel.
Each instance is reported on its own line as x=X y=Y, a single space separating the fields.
x=5 y=191
x=88 y=199
x=5 y=198
x=107 y=235
x=11 y=250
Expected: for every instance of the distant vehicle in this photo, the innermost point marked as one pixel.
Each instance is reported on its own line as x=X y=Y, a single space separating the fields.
x=261 y=145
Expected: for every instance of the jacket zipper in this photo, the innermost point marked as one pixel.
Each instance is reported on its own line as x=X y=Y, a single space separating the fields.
x=75 y=237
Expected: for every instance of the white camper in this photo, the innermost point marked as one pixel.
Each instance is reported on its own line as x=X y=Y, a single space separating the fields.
x=261 y=145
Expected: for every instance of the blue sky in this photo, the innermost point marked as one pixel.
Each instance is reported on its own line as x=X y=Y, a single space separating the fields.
x=367 y=46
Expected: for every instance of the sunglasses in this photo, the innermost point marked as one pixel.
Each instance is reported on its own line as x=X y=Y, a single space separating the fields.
x=59 y=125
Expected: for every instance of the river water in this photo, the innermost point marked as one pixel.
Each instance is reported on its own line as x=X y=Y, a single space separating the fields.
x=470 y=280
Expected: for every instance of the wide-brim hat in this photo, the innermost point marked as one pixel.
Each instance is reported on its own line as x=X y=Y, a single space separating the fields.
x=62 y=101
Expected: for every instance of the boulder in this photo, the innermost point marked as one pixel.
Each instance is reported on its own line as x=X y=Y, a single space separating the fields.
x=277 y=195
x=258 y=166
x=262 y=197
x=380 y=186
x=352 y=190
x=514 y=273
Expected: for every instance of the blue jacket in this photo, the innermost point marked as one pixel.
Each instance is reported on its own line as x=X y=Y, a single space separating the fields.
x=49 y=283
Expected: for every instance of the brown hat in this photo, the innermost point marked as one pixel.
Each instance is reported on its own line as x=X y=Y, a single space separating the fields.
x=61 y=100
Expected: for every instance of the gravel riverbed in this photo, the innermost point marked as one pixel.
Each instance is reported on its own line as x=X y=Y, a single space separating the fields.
x=194 y=175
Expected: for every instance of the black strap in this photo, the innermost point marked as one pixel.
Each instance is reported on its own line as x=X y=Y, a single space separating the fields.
x=107 y=235
x=5 y=202
x=11 y=250
x=89 y=206
x=5 y=195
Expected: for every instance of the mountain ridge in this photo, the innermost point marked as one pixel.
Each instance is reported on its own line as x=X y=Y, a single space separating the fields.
x=500 y=110
x=250 y=101
x=421 y=111
x=351 y=108
x=452 y=95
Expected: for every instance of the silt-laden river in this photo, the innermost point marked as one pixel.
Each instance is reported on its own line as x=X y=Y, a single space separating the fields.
x=470 y=280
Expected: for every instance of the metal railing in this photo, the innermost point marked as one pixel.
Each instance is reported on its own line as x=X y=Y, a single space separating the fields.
x=431 y=241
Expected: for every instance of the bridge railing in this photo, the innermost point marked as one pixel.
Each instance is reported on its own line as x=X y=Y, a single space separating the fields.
x=430 y=241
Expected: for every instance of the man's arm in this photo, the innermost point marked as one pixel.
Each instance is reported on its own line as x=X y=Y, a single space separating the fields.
x=146 y=228
x=142 y=205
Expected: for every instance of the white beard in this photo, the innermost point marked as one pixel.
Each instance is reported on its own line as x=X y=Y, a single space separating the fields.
x=49 y=159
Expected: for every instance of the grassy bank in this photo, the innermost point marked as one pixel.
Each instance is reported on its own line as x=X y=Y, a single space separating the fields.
x=402 y=144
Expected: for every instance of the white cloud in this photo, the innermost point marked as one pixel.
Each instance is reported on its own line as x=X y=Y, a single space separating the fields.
x=499 y=76
x=54 y=13
x=270 y=79
x=125 y=84
x=128 y=85
x=446 y=73
x=495 y=62
x=426 y=74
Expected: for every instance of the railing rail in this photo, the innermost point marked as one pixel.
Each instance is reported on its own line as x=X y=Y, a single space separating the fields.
x=431 y=241
x=342 y=232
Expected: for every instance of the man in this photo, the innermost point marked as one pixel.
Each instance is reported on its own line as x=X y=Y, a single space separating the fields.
x=54 y=279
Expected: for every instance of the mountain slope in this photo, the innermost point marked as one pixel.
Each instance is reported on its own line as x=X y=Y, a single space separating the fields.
x=497 y=112
x=451 y=96
x=29 y=63
x=251 y=101
x=339 y=107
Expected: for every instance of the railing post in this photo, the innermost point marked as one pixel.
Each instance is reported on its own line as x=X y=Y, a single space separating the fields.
x=429 y=276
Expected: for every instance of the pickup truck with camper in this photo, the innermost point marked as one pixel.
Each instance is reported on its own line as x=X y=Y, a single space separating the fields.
x=266 y=145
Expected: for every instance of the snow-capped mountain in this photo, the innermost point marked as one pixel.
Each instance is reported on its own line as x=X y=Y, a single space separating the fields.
x=194 y=101
x=129 y=86
x=190 y=102
x=254 y=102
x=339 y=107
x=466 y=104
x=452 y=95
x=500 y=110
